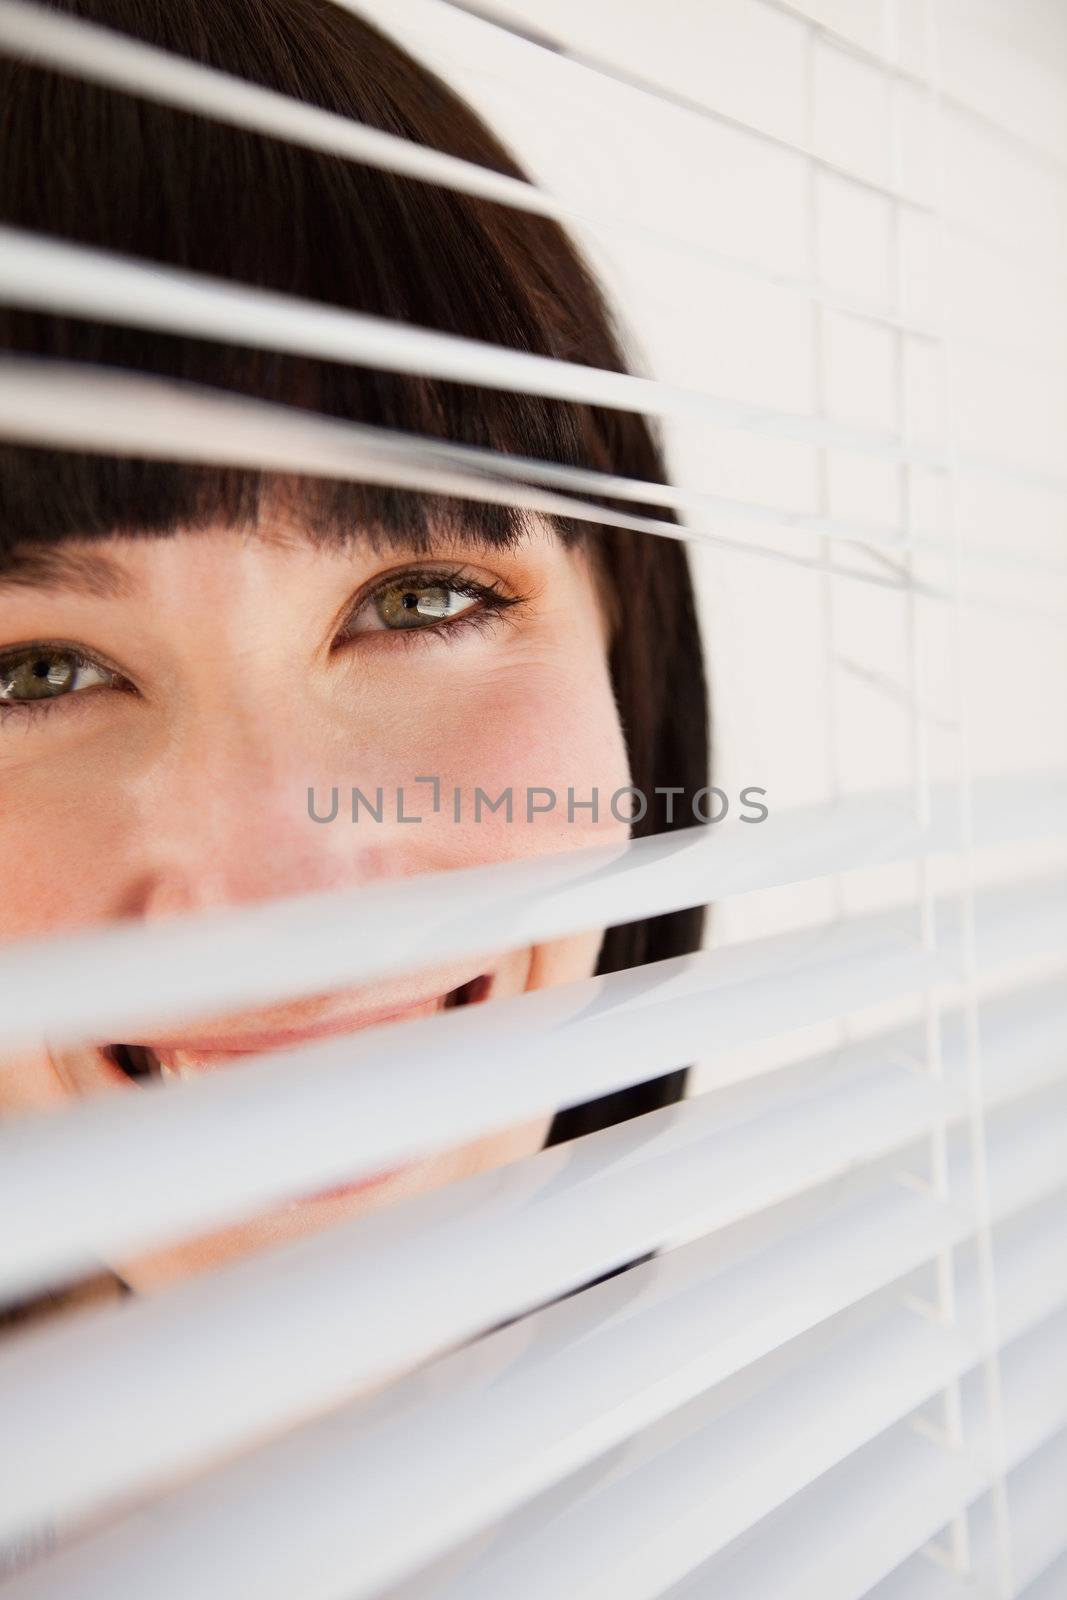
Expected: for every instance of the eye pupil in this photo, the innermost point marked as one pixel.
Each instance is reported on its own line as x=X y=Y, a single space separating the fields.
x=410 y=601
x=41 y=667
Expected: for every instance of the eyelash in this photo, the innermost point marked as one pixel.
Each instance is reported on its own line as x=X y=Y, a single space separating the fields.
x=23 y=711
x=493 y=604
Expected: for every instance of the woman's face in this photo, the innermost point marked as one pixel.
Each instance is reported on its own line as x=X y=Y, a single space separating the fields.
x=166 y=703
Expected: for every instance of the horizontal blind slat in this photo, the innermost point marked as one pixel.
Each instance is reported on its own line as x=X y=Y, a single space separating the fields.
x=412 y=1086
x=105 y=57
x=56 y=276
x=100 y=409
x=687 y=1503
x=200 y=1539
x=50 y=275
x=105 y=981
x=103 y=410
x=922 y=1354
x=849 y=1531
x=378 y=1278
x=1052 y=1583
x=1037 y=1495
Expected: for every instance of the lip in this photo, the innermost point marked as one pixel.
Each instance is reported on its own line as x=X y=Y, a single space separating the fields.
x=249 y=1044
x=189 y=1058
x=195 y=1054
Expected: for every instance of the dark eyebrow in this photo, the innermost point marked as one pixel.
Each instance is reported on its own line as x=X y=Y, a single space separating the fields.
x=61 y=567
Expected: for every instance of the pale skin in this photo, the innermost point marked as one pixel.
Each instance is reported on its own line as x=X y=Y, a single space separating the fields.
x=223 y=673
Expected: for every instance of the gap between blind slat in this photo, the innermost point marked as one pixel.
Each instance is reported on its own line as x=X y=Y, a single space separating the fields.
x=412 y=1086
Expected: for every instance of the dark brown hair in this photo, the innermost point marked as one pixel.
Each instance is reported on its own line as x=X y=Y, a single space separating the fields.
x=124 y=174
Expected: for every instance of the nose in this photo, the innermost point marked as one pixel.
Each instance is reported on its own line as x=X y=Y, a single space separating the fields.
x=233 y=822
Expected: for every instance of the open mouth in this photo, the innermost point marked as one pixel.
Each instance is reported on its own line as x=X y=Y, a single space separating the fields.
x=142 y=1064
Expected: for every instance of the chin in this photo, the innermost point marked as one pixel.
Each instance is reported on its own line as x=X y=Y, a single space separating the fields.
x=332 y=1208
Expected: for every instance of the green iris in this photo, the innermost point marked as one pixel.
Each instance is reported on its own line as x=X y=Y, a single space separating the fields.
x=408 y=604
x=38 y=675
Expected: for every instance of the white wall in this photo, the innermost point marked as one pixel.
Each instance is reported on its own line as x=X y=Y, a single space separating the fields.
x=812 y=678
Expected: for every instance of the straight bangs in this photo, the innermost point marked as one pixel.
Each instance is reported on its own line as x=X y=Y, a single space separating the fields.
x=118 y=173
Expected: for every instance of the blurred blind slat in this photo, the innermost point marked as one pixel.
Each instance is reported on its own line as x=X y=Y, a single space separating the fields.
x=1037 y=1492
x=891 y=1360
x=628 y=1353
x=450 y=1086
x=905 y=1471
x=894 y=1364
x=70 y=987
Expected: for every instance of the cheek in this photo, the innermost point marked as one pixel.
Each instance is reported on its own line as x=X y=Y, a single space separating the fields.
x=551 y=736
x=56 y=842
x=86 y=823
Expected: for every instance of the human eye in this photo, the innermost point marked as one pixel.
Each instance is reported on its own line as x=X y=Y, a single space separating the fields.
x=35 y=676
x=430 y=601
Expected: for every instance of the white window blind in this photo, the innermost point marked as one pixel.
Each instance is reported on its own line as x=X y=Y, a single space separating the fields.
x=837 y=230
